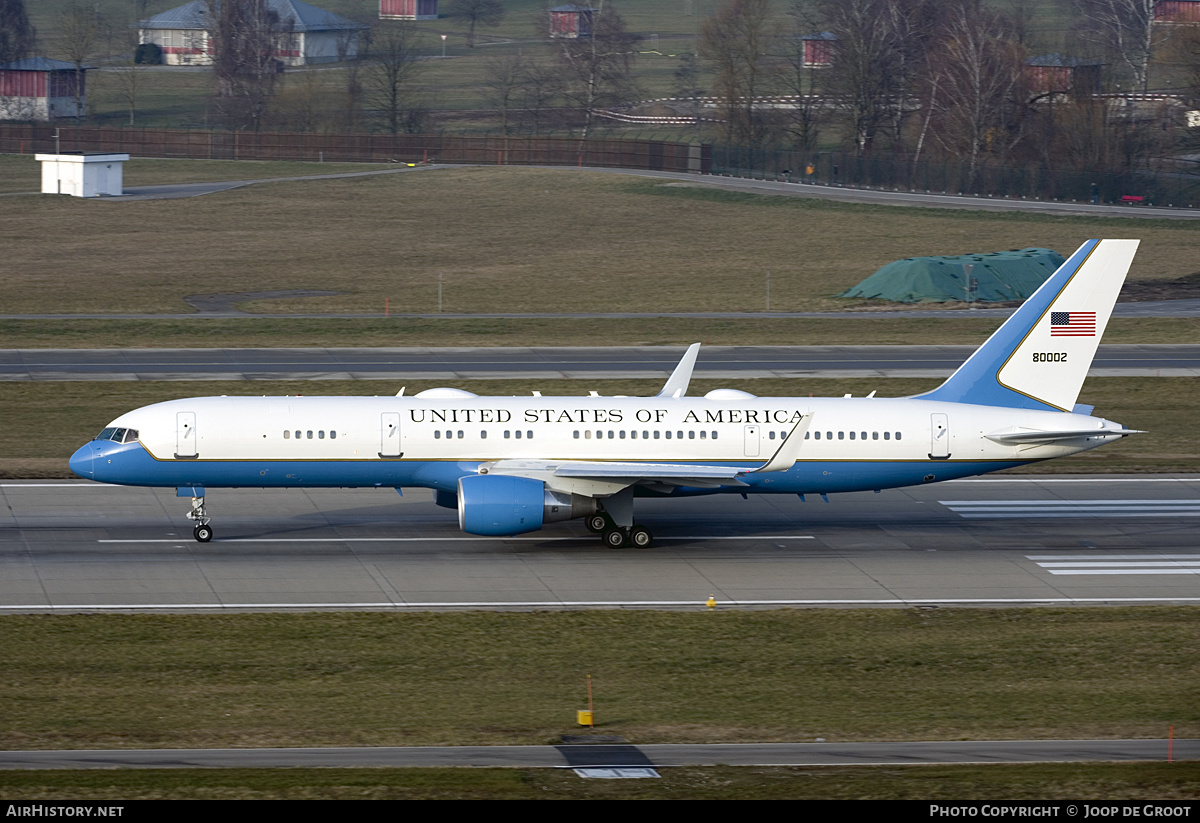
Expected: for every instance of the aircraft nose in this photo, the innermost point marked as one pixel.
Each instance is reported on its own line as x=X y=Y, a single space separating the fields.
x=81 y=461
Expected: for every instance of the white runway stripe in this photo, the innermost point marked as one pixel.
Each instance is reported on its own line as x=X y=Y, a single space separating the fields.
x=1118 y=564
x=1047 y=509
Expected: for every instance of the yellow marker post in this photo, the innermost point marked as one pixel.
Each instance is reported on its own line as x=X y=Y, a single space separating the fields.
x=711 y=602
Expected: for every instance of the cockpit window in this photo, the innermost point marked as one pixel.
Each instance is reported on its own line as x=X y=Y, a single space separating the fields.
x=118 y=435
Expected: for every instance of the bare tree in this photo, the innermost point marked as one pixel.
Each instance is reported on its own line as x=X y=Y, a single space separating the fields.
x=976 y=76
x=1124 y=29
x=475 y=13
x=800 y=77
x=735 y=42
x=246 y=38
x=388 y=77
x=17 y=36
x=598 y=69
x=502 y=88
x=79 y=32
x=880 y=54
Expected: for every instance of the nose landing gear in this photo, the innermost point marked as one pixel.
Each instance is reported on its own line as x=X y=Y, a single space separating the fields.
x=203 y=532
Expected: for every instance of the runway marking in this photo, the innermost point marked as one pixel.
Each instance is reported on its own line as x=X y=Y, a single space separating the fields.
x=589 y=538
x=1118 y=564
x=606 y=604
x=1043 y=509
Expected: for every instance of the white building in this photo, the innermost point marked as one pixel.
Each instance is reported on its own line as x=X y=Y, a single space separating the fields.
x=83 y=173
x=311 y=35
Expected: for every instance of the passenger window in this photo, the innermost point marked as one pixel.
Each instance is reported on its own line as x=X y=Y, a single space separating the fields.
x=310 y=434
x=702 y=434
x=518 y=434
x=287 y=435
x=841 y=435
x=483 y=434
x=437 y=434
x=321 y=434
x=851 y=435
x=587 y=434
x=507 y=434
x=333 y=435
x=691 y=435
x=528 y=435
x=897 y=435
x=887 y=435
x=874 y=435
x=656 y=434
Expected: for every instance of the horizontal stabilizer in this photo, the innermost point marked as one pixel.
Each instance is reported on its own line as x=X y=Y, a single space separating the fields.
x=1030 y=437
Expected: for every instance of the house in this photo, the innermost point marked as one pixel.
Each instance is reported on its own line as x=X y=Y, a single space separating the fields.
x=307 y=34
x=40 y=89
x=1177 y=11
x=818 y=50
x=408 y=9
x=571 y=21
x=1063 y=74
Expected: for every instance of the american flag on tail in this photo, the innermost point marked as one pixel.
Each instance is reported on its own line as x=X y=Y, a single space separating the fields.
x=1072 y=324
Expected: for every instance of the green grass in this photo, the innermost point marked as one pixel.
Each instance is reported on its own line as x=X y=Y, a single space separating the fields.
x=1036 y=782
x=44 y=423
x=501 y=239
x=379 y=679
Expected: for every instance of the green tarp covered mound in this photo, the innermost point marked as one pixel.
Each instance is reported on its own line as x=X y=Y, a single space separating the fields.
x=1000 y=277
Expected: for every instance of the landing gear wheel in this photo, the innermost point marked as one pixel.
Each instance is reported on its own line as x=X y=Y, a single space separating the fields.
x=615 y=538
x=640 y=537
x=202 y=533
x=596 y=523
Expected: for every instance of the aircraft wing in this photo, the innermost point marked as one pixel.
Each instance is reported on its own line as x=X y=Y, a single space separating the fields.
x=670 y=474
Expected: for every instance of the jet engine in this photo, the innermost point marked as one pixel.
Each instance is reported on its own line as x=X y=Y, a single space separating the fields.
x=498 y=505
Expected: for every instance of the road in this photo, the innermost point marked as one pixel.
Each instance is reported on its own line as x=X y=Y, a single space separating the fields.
x=618 y=755
x=79 y=546
x=456 y=364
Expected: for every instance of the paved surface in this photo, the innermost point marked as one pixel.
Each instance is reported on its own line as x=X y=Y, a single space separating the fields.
x=70 y=546
x=617 y=756
x=222 y=309
x=787 y=189
x=457 y=364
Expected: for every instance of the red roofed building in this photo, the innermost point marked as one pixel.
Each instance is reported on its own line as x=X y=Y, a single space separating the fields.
x=40 y=89
x=571 y=21
x=408 y=9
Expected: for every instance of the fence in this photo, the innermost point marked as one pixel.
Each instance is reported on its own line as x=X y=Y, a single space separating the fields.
x=655 y=155
x=1169 y=186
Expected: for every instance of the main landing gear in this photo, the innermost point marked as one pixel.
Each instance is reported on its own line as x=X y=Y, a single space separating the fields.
x=203 y=532
x=618 y=537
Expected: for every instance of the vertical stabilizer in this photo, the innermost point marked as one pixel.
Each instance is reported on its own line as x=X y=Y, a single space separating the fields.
x=1039 y=358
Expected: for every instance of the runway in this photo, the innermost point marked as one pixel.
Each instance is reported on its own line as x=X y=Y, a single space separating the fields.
x=80 y=546
x=619 y=756
x=488 y=363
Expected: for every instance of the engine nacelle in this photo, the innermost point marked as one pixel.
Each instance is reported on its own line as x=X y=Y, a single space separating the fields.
x=497 y=505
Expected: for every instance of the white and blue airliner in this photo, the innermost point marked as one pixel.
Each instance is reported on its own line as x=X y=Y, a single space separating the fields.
x=514 y=464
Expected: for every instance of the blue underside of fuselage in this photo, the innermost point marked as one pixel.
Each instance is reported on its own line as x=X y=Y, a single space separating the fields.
x=129 y=464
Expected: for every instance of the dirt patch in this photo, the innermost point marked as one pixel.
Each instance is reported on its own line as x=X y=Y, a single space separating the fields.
x=1180 y=289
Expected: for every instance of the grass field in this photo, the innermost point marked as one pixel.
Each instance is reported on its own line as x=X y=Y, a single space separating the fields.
x=1040 y=781
x=330 y=679
x=508 y=239
x=46 y=422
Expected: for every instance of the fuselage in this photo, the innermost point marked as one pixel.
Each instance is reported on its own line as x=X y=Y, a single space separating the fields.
x=851 y=444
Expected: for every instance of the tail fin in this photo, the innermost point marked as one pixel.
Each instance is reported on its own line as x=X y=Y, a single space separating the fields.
x=1039 y=358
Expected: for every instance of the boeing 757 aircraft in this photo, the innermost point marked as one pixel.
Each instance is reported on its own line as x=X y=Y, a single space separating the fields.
x=513 y=464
